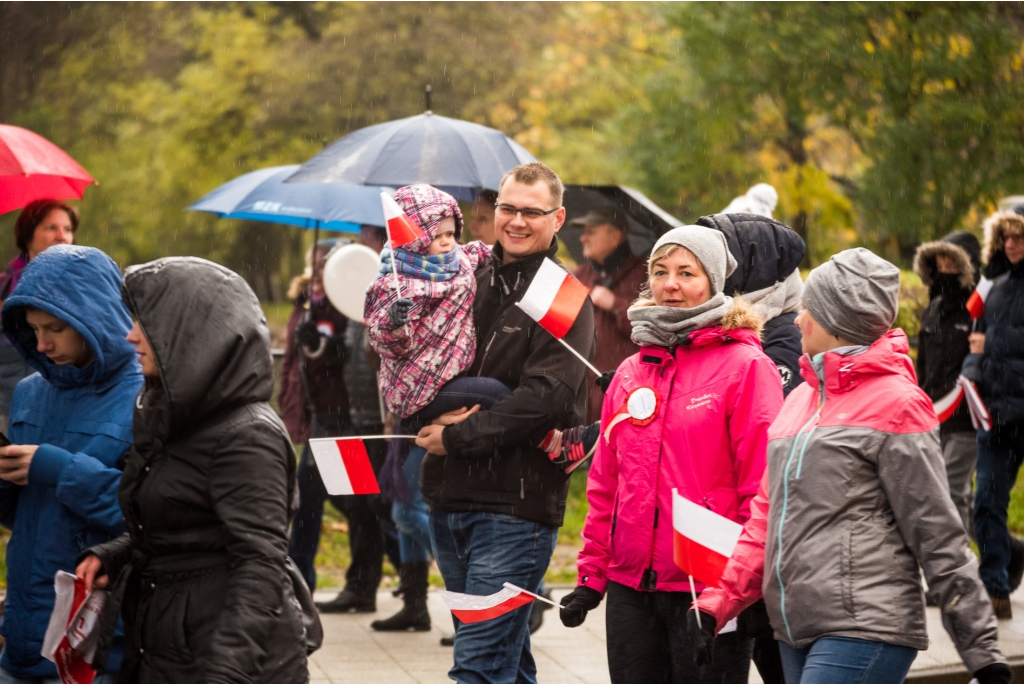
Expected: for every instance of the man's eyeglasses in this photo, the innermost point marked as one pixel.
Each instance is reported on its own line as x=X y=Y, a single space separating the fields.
x=529 y=213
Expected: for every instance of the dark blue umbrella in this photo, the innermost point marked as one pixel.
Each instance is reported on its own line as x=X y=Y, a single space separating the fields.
x=456 y=156
x=263 y=196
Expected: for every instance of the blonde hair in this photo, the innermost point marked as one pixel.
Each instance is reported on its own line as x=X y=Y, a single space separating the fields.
x=646 y=298
x=536 y=172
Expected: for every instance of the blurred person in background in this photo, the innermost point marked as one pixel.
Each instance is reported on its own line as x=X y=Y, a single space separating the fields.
x=315 y=403
x=41 y=224
x=71 y=428
x=615 y=276
x=481 y=223
x=996 y=365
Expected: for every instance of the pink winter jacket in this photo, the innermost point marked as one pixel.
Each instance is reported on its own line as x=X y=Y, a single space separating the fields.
x=708 y=439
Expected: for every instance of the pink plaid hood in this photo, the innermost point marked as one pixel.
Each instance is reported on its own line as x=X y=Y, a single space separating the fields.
x=427 y=206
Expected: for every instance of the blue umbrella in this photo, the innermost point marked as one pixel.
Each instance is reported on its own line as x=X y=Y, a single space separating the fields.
x=262 y=196
x=456 y=156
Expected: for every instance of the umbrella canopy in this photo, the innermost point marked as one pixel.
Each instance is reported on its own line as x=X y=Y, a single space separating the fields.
x=33 y=168
x=459 y=157
x=647 y=221
x=263 y=196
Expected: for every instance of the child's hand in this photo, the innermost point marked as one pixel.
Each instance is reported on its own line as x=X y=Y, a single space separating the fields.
x=398 y=314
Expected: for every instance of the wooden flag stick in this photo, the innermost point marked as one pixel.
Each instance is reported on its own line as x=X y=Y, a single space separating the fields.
x=374 y=437
x=543 y=599
x=693 y=592
x=394 y=261
x=581 y=358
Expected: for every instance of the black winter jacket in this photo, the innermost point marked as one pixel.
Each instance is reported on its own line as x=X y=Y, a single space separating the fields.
x=766 y=252
x=945 y=322
x=492 y=462
x=207 y=491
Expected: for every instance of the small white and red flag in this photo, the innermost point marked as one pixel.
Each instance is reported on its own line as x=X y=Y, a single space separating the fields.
x=474 y=608
x=980 y=417
x=402 y=230
x=948 y=404
x=554 y=299
x=702 y=541
x=344 y=466
x=976 y=302
x=71 y=638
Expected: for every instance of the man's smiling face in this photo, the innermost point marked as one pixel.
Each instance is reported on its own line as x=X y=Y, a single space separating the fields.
x=519 y=237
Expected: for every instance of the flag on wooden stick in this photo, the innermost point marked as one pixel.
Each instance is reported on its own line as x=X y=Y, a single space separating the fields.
x=344 y=466
x=474 y=608
x=976 y=302
x=703 y=541
x=402 y=230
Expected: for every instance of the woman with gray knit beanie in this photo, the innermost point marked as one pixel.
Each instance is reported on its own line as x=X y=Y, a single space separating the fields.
x=689 y=412
x=859 y=502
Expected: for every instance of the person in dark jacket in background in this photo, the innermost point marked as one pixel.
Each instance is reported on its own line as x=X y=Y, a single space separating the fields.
x=497 y=500
x=315 y=403
x=996 y=365
x=71 y=427
x=768 y=254
x=41 y=224
x=202 y=578
x=615 y=276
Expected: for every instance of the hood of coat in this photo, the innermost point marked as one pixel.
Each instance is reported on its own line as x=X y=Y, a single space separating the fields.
x=960 y=247
x=740 y=323
x=886 y=356
x=993 y=254
x=766 y=251
x=428 y=206
x=208 y=335
x=82 y=286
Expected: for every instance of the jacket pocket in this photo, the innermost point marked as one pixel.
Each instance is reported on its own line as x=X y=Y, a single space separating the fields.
x=164 y=631
x=615 y=522
x=847 y=570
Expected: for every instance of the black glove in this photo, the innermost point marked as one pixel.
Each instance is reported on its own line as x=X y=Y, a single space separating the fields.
x=398 y=314
x=576 y=604
x=994 y=673
x=702 y=637
x=604 y=380
x=308 y=335
x=753 y=621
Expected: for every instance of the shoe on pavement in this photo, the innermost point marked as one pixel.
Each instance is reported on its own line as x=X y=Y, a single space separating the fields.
x=1001 y=605
x=448 y=640
x=578 y=446
x=413 y=614
x=1016 y=567
x=537 y=612
x=348 y=602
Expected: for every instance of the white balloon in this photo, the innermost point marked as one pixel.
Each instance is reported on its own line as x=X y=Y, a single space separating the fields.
x=349 y=271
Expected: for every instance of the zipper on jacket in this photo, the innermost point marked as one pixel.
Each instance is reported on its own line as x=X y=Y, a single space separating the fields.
x=486 y=350
x=522 y=488
x=649 y=581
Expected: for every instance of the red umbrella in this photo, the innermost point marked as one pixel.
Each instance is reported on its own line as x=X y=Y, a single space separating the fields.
x=32 y=168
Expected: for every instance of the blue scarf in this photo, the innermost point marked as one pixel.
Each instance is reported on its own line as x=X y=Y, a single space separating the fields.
x=441 y=267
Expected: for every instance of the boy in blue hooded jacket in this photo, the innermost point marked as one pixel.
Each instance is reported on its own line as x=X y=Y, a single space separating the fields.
x=71 y=425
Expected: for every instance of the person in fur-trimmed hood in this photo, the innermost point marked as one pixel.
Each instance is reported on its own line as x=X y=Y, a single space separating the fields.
x=996 y=365
x=714 y=393
x=949 y=268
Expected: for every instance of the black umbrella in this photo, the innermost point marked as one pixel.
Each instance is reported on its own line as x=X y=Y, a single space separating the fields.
x=459 y=157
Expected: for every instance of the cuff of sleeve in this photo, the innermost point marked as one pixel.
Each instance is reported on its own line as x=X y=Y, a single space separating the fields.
x=449 y=440
x=48 y=463
x=591 y=581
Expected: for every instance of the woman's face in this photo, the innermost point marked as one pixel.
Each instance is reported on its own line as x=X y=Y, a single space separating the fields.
x=147 y=361
x=54 y=229
x=678 y=280
x=814 y=339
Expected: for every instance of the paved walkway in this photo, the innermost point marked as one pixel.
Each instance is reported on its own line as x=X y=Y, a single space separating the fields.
x=352 y=653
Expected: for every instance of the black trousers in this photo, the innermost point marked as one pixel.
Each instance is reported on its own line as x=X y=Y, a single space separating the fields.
x=647 y=641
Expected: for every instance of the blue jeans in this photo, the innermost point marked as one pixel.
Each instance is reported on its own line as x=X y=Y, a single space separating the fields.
x=1000 y=453
x=8 y=678
x=466 y=391
x=846 y=660
x=477 y=553
x=411 y=517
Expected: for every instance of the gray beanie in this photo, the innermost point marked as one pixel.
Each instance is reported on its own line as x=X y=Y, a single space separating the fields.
x=854 y=295
x=708 y=246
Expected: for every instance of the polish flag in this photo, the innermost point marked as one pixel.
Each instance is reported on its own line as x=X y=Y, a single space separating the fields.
x=976 y=302
x=474 y=608
x=979 y=412
x=401 y=229
x=702 y=540
x=946 y=406
x=71 y=637
x=344 y=466
x=554 y=298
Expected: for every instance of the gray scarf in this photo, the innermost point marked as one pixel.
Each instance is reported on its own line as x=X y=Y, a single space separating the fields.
x=668 y=326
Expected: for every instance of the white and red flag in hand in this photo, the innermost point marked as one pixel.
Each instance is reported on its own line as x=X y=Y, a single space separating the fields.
x=948 y=404
x=474 y=608
x=554 y=298
x=344 y=466
x=71 y=637
x=976 y=302
x=964 y=389
x=402 y=230
x=702 y=541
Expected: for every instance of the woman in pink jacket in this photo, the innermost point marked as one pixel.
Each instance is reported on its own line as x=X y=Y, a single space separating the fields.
x=690 y=411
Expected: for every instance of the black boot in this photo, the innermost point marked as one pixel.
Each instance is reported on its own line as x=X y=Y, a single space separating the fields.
x=414 y=614
x=346 y=602
x=1016 y=567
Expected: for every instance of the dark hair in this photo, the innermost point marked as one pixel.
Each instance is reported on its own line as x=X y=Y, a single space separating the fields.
x=28 y=221
x=488 y=196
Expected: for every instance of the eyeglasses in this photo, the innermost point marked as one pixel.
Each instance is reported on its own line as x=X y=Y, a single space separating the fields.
x=529 y=213
x=1007 y=237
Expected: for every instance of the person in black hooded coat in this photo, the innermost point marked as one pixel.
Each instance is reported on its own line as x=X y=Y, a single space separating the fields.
x=209 y=594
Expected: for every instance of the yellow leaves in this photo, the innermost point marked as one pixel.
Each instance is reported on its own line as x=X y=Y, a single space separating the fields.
x=869 y=47
x=959 y=47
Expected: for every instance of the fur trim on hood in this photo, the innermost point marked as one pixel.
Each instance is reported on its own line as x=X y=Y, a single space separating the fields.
x=995 y=230
x=742 y=315
x=925 y=262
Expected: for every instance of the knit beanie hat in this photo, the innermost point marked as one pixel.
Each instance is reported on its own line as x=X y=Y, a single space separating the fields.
x=854 y=295
x=708 y=246
x=427 y=206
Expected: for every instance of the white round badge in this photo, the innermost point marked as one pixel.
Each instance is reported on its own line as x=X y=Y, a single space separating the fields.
x=642 y=404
